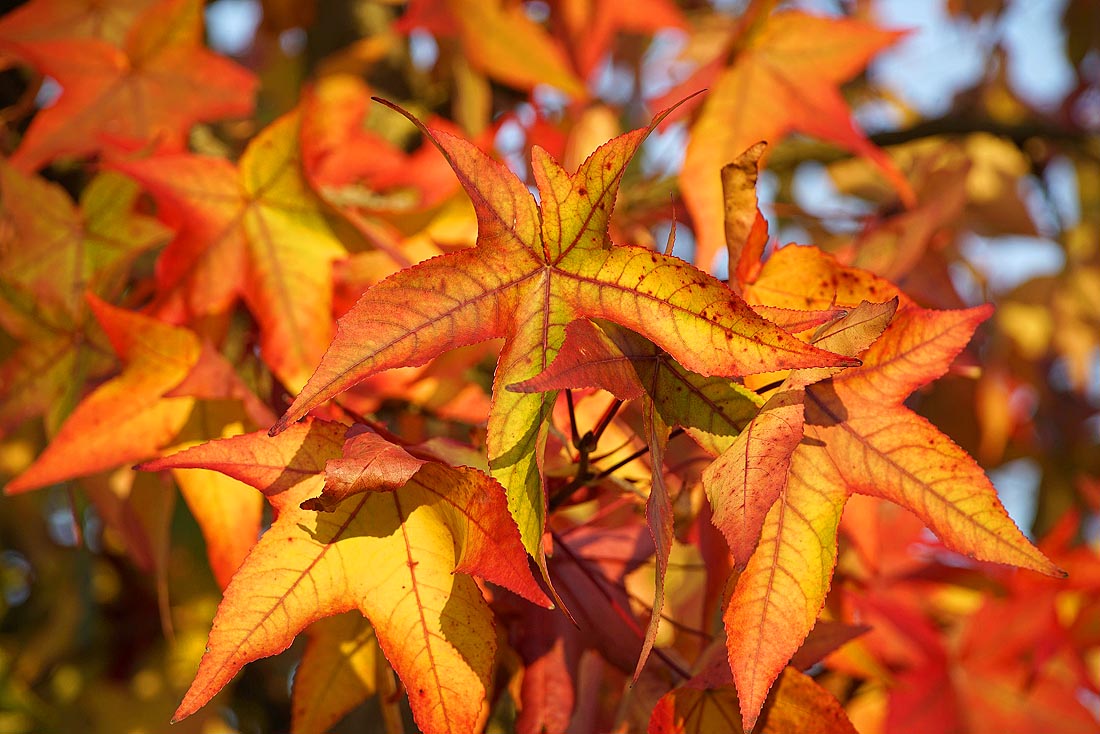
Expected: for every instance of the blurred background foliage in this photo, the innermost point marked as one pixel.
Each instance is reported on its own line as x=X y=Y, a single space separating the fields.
x=991 y=107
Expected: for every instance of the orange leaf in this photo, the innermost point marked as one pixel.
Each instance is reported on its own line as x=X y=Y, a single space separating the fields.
x=804 y=277
x=783 y=78
x=857 y=436
x=127 y=418
x=152 y=89
x=885 y=450
x=746 y=229
x=777 y=597
x=748 y=478
x=393 y=555
x=257 y=232
x=529 y=277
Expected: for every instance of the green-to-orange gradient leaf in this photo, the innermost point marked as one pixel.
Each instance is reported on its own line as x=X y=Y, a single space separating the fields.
x=856 y=436
x=255 y=231
x=149 y=91
x=126 y=419
x=532 y=273
x=783 y=77
x=400 y=554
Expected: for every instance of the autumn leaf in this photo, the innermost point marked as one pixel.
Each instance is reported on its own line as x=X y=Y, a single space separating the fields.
x=856 y=436
x=126 y=419
x=51 y=253
x=527 y=279
x=806 y=278
x=397 y=553
x=714 y=410
x=138 y=415
x=151 y=90
x=783 y=77
x=256 y=232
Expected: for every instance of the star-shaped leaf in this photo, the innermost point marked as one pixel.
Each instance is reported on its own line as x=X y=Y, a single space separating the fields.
x=851 y=433
x=257 y=232
x=397 y=547
x=152 y=89
x=745 y=481
x=137 y=415
x=532 y=273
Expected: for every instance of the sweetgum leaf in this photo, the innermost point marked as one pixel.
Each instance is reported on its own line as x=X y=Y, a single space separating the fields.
x=746 y=229
x=527 y=279
x=851 y=433
x=255 y=231
x=399 y=555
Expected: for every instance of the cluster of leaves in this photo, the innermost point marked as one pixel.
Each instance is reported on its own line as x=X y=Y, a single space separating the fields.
x=533 y=471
